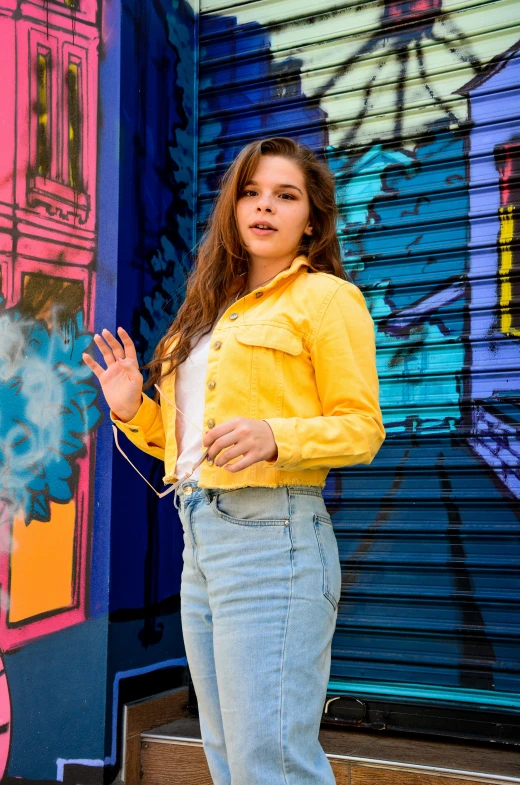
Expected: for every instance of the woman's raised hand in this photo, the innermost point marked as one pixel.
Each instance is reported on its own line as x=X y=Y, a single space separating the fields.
x=121 y=381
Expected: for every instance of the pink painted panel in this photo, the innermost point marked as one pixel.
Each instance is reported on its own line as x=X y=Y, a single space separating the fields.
x=56 y=223
x=5 y=721
x=6 y=242
x=6 y=270
x=60 y=13
x=50 y=250
x=60 y=50
x=8 y=114
x=42 y=225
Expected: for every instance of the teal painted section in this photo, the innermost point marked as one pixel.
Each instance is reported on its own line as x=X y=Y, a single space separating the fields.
x=418 y=693
x=400 y=213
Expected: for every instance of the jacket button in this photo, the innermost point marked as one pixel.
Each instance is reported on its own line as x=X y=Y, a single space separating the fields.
x=217 y=345
x=212 y=385
x=233 y=316
x=259 y=294
x=211 y=423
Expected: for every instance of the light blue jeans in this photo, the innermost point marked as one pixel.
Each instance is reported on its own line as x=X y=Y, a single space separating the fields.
x=259 y=594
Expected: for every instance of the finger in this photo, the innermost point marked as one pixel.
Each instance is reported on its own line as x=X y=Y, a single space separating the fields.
x=220 y=444
x=128 y=344
x=220 y=431
x=234 y=452
x=117 y=349
x=208 y=438
x=93 y=365
x=105 y=350
x=247 y=460
x=215 y=433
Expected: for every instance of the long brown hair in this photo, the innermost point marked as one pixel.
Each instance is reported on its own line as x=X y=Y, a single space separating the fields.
x=222 y=262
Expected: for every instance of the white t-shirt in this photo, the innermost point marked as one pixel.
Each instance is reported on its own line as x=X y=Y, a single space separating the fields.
x=190 y=387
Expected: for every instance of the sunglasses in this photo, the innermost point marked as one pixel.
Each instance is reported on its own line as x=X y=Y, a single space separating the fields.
x=186 y=476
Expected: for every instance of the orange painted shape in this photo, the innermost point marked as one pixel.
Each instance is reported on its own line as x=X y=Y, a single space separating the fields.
x=42 y=561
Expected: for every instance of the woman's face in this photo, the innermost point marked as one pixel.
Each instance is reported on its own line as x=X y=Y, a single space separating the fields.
x=273 y=211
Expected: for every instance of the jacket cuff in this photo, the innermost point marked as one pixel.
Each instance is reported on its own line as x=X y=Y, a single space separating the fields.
x=289 y=452
x=141 y=422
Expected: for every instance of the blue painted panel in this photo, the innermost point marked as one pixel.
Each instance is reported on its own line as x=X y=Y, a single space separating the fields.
x=49 y=722
x=156 y=180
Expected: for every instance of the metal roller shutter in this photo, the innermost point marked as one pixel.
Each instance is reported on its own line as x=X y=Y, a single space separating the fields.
x=415 y=105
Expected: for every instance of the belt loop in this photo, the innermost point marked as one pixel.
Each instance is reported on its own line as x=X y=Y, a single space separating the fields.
x=290 y=501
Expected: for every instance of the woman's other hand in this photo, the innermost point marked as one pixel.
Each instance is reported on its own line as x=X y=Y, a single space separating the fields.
x=121 y=380
x=251 y=439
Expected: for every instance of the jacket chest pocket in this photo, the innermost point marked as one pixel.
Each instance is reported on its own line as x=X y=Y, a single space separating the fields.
x=274 y=351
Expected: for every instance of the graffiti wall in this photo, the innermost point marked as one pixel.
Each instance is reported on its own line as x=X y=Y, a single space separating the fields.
x=96 y=227
x=156 y=208
x=48 y=402
x=107 y=144
x=413 y=106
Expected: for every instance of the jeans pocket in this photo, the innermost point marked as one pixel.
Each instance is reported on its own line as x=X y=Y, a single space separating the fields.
x=329 y=554
x=252 y=506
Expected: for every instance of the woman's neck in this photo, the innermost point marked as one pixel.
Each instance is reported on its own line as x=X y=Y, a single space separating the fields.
x=262 y=271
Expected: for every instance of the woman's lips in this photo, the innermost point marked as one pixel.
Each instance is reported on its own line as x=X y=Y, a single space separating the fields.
x=262 y=232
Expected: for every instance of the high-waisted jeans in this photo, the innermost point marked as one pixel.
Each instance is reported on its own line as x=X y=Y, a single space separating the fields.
x=259 y=594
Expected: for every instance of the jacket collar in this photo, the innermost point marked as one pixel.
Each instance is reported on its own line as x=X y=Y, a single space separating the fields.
x=297 y=264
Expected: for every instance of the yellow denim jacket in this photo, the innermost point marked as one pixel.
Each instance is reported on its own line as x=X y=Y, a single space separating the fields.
x=298 y=353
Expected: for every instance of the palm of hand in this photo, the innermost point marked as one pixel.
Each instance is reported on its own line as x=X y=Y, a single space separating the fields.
x=121 y=380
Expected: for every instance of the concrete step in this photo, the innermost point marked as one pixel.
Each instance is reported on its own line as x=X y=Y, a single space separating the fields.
x=173 y=754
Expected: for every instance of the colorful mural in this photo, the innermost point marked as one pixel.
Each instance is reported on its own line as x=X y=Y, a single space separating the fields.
x=156 y=206
x=102 y=194
x=83 y=631
x=48 y=402
x=158 y=184
x=49 y=408
x=495 y=325
x=411 y=104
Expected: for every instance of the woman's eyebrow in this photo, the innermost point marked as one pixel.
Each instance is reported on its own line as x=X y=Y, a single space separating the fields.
x=288 y=185
x=282 y=185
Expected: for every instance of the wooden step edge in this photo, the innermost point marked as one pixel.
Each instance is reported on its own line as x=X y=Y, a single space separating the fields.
x=141 y=715
x=419 y=768
x=162 y=739
x=391 y=765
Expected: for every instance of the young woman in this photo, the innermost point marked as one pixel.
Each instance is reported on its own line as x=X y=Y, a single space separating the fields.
x=269 y=365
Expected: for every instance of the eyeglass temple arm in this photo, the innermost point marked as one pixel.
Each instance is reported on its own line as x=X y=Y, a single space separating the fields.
x=160 y=495
x=186 y=476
